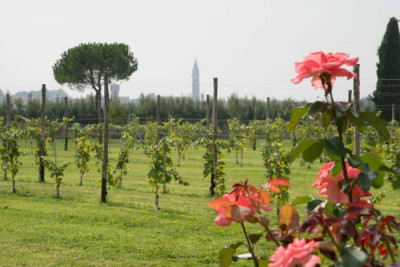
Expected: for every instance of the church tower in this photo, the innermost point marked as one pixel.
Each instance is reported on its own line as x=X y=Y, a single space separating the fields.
x=195 y=82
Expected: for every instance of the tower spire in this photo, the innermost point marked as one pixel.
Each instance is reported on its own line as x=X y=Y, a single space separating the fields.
x=195 y=82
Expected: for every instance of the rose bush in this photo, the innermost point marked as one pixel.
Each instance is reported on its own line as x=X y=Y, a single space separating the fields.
x=343 y=230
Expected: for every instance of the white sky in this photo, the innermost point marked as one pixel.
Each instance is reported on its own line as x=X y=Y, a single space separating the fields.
x=251 y=46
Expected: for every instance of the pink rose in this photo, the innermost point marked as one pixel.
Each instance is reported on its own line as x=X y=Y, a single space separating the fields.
x=299 y=252
x=330 y=186
x=318 y=62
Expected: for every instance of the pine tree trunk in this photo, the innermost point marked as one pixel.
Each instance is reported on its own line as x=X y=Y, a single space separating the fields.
x=66 y=124
x=105 y=144
x=42 y=142
x=98 y=107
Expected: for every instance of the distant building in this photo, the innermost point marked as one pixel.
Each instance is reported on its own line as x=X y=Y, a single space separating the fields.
x=114 y=89
x=195 y=82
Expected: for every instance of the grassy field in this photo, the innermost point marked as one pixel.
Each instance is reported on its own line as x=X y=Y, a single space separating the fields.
x=76 y=230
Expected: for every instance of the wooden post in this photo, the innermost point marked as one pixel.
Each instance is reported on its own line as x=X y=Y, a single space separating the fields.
x=356 y=91
x=105 y=143
x=278 y=114
x=66 y=125
x=98 y=106
x=8 y=120
x=158 y=109
x=214 y=136
x=42 y=146
x=158 y=120
x=255 y=111
x=171 y=113
x=348 y=134
x=393 y=112
x=255 y=132
x=267 y=110
x=208 y=111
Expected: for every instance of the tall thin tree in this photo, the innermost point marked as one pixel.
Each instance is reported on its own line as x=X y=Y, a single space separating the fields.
x=388 y=70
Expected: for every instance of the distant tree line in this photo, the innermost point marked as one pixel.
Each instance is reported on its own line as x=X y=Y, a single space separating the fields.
x=84 y=109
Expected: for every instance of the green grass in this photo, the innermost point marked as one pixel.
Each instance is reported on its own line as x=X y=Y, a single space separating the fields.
x=76 y=230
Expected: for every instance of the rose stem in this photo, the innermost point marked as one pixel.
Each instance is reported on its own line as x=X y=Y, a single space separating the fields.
x=249 y=245
x=339 y=130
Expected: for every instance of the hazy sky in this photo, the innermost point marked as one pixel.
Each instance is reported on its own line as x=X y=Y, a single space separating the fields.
x=251 y=46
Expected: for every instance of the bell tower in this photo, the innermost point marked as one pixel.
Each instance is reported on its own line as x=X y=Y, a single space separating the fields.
x=195 y=82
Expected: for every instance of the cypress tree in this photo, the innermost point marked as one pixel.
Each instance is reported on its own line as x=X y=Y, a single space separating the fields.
x=388 y=70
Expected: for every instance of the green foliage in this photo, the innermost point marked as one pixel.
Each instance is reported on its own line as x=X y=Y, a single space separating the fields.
x=151 y=130
x=85 y=64
x=52 y=128
x=33 y=131
x=56 y=172
x=118 y=112
x=296 y=116
x=388 y=70
x=181 y=135
x=276 y=162
x=219 y=172
x=237 y=139
x=187 y=134
x=254 y=129
x=172 y=129
x=393 y=156
x=183 y=220
x=226 y=254
x=85 y=112
x=131 y=130
x=97 y=148
x=161 y=166
x=275 y=130
x=82 y=156
x=10 y=152
x=121 y=168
